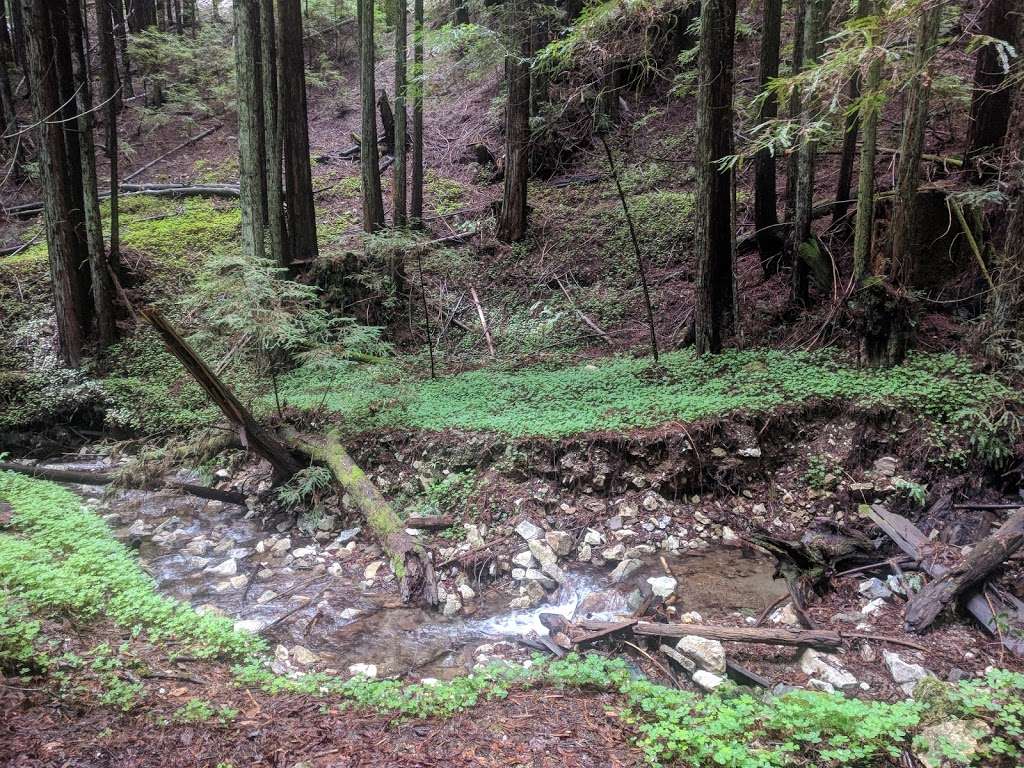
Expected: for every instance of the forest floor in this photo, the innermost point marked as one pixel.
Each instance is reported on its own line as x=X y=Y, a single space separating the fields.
x=570 y=428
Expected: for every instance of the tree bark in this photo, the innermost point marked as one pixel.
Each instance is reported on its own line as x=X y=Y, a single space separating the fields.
x=18 y=42
x=849 y=152
x=273 y=133
x=991 y=101
x=512 y=218
x=409 y=560
x=864 y=223
x=766 y=636
x=298 y=189
x=398 y=179
x=714 y=311
x=106 y=34
x=252 y=158
x=766 y=218
x=121 y=32
x=795 y=102
x=252 y=434
x=387 y=123
x=986 y=556
x=369 y=161
x=416 y=193
x=66 y=254
x=801 y=236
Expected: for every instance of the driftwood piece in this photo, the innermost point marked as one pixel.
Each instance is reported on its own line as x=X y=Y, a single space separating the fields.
x=252 y=434
x=80 y=477
x=986 y=556
x=409 y=559
x=914 y=543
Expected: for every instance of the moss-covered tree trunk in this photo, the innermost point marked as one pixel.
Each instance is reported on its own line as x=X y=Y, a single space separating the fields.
x=714 y=230
x=373 y=202
x=865 y=217
x=766 y=216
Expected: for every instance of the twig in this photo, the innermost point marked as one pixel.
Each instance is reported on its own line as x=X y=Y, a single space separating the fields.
x=971 y=242
x=170 y=152
x=590 y=323
x=483 y=320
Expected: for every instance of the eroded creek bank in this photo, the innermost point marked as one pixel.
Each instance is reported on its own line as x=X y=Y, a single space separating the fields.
x=585 y=529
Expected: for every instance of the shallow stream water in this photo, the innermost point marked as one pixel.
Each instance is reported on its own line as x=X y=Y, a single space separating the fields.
x=344 y=620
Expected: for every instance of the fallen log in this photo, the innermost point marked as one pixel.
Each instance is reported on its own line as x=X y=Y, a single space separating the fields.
x=915 y=544
x=987 y=555
x=792 y=637
x=27 y=210
x=81 y=477
x=168 y=153
x=252 y=434
x=430 y=522
x=410 y=561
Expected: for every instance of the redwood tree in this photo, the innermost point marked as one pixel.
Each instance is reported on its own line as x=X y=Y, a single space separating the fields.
x=990 y=103
x=513 y=214
x=373 y=203
x=715 y=311
x=766 y=217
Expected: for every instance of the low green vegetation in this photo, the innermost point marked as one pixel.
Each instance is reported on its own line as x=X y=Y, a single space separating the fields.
x=622 y=393
x=60 y=561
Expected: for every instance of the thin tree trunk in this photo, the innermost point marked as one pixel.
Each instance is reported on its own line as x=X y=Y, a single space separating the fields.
x=991 y=101
x=18 y=38
x=416 y=193
x=864 y=224
x=801 y=244
x=401 y=76
x=108 y=68
x=102 y=283
x=301 y=224
x=273 y=132
x=65 y=252
x=766 y=218
x=8 y=110
x=714 y=312
x=121 y=32
x=795 y=106
x=849 y=152
x=251 y=148
x=373 y=202
x=512 y=218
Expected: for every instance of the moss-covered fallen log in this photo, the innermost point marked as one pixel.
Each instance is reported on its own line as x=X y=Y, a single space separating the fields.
x=409 y=559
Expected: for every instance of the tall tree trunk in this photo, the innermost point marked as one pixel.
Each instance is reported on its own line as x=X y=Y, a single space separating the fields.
x=795 y=106
x=802 y=238
x=18 y=39
x=252 y=161
x=460 y=12
x=141 y=14
x=298 y=176
x=121 y=33
x=865 y=218
x=66 y=255
x=102 y=284
x=273 y=133
x=512 y=218
x=401 y=76
x=849 y=152
x=990 y=103
x=8 y=109
x=373 y=202
x=416 y=194
x=766 y=218
x=106 y=37
x=714 y=312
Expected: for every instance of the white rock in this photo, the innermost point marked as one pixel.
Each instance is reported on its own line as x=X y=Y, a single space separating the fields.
x=304 y=656
x=519 y=573
x=786 y=616
x=529 y=531
x=366 y=670
x=370 y=572
x=691 y=617
x=452 y=605
x=707 y=654
x=624 y=570
x=239 y=581
x=826 y=667
x=228 y=568
x=873 y=607
x=544 y=554
x=593 y=538
x=466 y=592
x=253 y=626
x=585 y=553
x=874 y=589
x=280 y=547
x=266 y=596
x=304 y=552
x=707 y=680
x=523 y=559
x=904 y=674
x=335 y=570
x=662 y=586
x=729 y=536
x=615 y=552
x=349 y=613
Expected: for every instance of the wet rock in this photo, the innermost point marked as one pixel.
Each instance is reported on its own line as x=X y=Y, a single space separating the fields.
x=729 y=536
x=264 y=573
x=335 y=570
x=349 y=534
x=301 y=552
x=593 y=538
x=366 y=670
x=466 y=592
x=707 y=680
x=662 y=586
x=624 y=570
x=540 y=578
x=904 y=674
x=452 y=605
x=521 y=603
x=874 y=589
x=826 y=667
x=228 y=568
x=585 y=553
x=528 y=531
x=949 y=744
x=370 y=572
x=705 y=653
x=678 y=658
x=519 y=573
x=560 y=542
x=280 y=547
x=304 y=656
x=266 y=596
x=614 y=552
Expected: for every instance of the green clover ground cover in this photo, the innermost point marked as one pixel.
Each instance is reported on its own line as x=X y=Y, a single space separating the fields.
x=58 y=559
x=621 y=393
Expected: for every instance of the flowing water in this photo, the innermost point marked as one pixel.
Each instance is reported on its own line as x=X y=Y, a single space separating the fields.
x=345 y=621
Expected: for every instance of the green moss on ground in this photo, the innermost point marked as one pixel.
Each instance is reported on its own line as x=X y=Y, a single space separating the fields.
x=622 y=393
